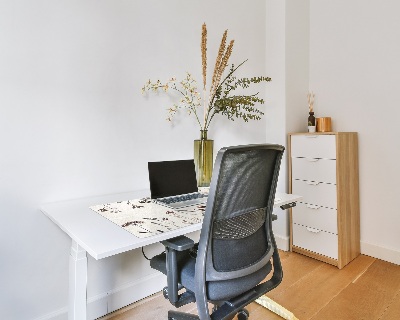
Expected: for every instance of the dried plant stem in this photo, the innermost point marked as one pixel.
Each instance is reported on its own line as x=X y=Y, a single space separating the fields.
x=204 y=65
x=222 y=65
x=218 y=62
x=206 y=111
x=204 y=54
x=310 y=98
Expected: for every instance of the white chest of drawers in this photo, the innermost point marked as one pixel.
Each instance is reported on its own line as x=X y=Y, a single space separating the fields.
x=323 y=168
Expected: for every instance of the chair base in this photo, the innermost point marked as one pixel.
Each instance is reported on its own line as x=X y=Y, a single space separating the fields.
x=243 y=314
x=176 y=315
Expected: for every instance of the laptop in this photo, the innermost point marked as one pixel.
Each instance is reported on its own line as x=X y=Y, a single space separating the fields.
x=173 y=184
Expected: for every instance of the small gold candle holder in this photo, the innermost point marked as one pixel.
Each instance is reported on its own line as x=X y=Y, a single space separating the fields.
x=324 y=124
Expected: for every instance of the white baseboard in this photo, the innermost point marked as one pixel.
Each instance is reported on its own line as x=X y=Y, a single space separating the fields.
x=282 y=242
x=118 y=298
x=61 y=314
x=369 y=249
x=382 y=253
x=121 y=297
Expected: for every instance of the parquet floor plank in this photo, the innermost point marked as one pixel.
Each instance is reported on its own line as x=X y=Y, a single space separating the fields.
x=307 y=296
x=371 y=295
x=393 y=311
x=295 y=267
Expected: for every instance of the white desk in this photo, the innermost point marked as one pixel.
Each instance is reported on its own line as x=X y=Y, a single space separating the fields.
x=87 y=229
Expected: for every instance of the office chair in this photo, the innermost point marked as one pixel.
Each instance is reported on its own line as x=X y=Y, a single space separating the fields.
x=236 y=245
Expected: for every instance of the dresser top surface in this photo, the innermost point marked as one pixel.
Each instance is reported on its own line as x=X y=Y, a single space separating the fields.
x=319 y=133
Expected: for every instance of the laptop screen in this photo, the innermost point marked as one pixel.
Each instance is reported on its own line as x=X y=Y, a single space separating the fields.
x=171 y=178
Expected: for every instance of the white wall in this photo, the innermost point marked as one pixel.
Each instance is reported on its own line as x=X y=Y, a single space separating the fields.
x=275 y=65
x=355 y=74
x=297 y=47
x=74 y=124
x=287 y=57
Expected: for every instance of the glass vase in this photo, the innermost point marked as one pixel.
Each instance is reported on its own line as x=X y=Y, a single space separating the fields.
x=203 y=159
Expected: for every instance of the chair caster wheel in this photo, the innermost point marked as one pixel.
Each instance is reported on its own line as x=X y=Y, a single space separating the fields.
x=243 y=314
x=165 y=293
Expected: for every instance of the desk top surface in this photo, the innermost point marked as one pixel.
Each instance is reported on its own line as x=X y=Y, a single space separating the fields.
x=100 y=237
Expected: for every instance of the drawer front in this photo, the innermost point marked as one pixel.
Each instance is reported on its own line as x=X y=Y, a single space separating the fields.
x=316 y=241
x=313 y=146
x=317 y=193
x=315 y=217
x=311 y=169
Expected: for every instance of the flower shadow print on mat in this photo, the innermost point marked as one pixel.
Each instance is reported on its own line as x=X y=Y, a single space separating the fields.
x=143 y=218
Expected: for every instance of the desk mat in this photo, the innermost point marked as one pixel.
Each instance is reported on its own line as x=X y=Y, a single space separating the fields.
x=143 y=218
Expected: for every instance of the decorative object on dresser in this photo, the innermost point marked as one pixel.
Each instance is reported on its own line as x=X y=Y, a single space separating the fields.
x=311 y=117
x=220 y=99
x=323 y=168
x=324 y=124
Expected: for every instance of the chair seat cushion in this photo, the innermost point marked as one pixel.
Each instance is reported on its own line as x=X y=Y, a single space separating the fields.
x=216 y=290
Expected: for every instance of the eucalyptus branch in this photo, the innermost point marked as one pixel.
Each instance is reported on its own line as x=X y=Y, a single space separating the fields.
x=211 y=105
x=209 y=122
x=227 y=77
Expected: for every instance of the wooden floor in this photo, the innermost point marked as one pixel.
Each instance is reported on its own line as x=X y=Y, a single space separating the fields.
x=366 y=289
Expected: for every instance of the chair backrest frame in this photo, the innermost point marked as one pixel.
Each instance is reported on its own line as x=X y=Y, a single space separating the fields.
x=204 y=270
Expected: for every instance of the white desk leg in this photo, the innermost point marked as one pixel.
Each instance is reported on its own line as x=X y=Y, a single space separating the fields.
x=77 y=283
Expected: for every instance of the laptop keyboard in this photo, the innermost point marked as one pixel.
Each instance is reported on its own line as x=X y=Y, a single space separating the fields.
x=183 y=200
x=186 y=200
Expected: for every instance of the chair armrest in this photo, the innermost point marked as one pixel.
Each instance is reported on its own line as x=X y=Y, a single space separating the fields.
x=172 y=246
x=288 y=205
x=180 y=243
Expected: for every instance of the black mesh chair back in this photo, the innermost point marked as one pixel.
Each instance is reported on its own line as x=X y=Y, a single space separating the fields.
x=236 y=241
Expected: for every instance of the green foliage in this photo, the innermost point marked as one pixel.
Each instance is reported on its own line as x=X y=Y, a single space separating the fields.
x=231 y=105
